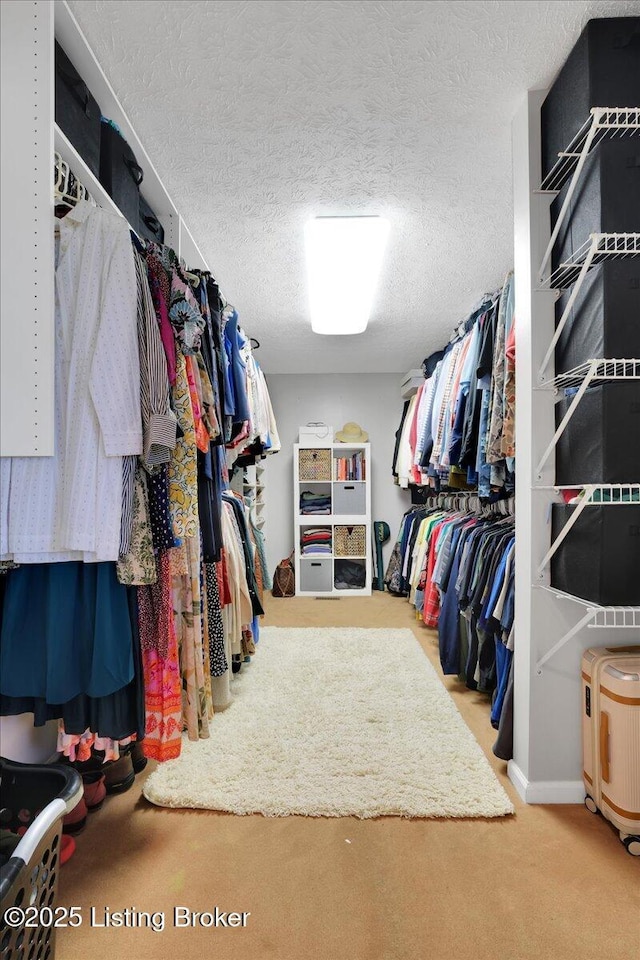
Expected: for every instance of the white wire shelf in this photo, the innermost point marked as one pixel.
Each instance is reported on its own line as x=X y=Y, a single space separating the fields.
x=594 y=494
x=622 y=492
x=603 y=123
x=596 y=371
x=595 y=617
x=587 y=374
x=599 y=247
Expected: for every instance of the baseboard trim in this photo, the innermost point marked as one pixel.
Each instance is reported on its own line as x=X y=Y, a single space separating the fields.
x=518 y=779
x=545 y=791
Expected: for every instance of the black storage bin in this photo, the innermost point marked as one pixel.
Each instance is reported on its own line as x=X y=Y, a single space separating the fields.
x=77 y=112
x=349 y=575
x=605 y=319
x=149 y=225
x=120 y=173
x=600 y=558
x=606 y=198
x=601 y=443
x=602 y=70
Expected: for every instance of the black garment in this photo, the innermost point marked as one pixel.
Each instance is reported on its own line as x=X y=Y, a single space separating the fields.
x=159 y=516
x=238 y=510
x=396 y=449
x=431 y=362
x=217 y=658
x=503 y=747
x=214 y=347
x=210 y=505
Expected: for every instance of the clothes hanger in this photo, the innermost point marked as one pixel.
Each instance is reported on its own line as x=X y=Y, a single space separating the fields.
x=67 y=189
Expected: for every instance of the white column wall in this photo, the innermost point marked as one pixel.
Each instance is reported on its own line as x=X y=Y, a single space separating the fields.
x=547 y=764
x=372 y=400
x=26 y=200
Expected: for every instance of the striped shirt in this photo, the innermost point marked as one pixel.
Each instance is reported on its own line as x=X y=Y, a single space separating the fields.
x=158 y=419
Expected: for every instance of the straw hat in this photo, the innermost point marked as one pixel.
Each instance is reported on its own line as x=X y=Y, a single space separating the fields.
x=352 y=433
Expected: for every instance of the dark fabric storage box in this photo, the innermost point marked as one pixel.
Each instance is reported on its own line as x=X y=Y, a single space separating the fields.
x=149 y=225
x=605 y=319
x=77 y=112
x=606 y=198
x=349 y=575
x=120 y=174
x=601 y=443
x=602 y=70
x=600 y=558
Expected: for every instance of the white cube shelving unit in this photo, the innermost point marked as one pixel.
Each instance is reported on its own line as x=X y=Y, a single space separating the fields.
x=350 y=507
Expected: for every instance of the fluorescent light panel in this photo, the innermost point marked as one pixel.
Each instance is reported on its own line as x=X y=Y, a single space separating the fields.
x=344 y=256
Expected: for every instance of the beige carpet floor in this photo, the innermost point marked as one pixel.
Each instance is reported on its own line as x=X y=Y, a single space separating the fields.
x=551 y=883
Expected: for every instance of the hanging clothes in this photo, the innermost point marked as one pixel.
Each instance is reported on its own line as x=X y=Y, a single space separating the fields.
x=453 y=430
x=456 y=566
x=138 y=579
x=69 y=506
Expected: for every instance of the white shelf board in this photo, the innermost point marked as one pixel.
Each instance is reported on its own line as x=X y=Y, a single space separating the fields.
x=329 y=519
x=189 y=250
x=75 y=45
x=334 y=593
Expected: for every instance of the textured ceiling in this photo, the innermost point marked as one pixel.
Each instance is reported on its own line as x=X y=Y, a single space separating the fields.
x=259 y=115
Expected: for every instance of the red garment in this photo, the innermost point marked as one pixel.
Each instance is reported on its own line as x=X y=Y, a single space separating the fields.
x=202 y=434
x=161 y=295
x=223 y=580
x=155 y=609
x=162 y=680
x=510 y=346
x=431 y=610
x=415 y=475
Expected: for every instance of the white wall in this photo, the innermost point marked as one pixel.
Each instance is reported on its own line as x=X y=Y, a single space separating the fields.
x=21 y=741
x=370 y=399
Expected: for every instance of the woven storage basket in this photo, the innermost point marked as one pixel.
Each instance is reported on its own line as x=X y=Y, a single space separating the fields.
x=350 y=541
x=314 y=464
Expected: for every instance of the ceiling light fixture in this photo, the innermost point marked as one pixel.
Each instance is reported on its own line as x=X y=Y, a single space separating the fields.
x=344 y=256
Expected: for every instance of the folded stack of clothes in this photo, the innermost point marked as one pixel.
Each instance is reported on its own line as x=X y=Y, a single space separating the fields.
x=316 y=540
x=314 y=503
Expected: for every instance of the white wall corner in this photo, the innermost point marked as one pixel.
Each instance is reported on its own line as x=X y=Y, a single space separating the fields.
x=545 y=791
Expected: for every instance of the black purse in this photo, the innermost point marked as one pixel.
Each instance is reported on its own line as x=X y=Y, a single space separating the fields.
x=149 y=226
x=120 y=173
x=77 y=111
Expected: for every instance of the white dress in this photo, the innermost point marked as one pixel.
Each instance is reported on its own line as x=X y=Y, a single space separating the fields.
x=69 y=506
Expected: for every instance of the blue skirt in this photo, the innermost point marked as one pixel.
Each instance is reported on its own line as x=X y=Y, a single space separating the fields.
x=66 y=631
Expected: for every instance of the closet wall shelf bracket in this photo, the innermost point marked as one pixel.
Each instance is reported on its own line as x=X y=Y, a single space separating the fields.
x=604 y=122
x=599 y=247
x=600 y=494
x=580 y=379
x=595 y=617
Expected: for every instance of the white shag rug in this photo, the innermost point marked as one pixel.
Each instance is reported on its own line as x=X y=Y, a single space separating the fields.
x=335 y=722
